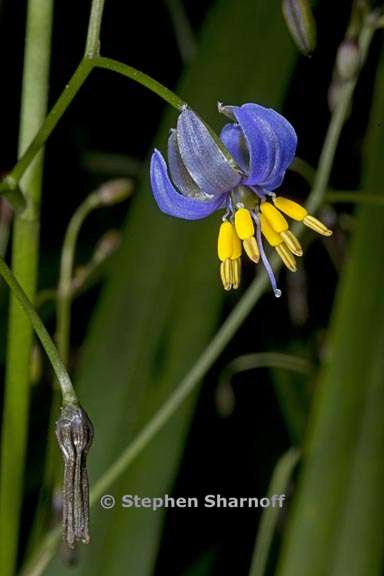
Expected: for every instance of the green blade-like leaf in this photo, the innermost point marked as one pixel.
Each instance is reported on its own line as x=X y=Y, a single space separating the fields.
x=162 y=302
x=338 y=523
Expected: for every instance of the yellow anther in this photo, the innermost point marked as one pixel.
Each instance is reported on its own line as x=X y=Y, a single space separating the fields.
x=236 y=273
x=237 y=248
x=244 y=224
x=290 y=208
x=272 y=237
x=276 y=220
x=286 y=256
x=316 y=225
x=226 y=273
x=292 y=243
x=252 y=249
x=225 y=241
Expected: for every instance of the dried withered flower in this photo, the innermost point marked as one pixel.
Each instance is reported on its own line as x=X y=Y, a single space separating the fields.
x=74 y=433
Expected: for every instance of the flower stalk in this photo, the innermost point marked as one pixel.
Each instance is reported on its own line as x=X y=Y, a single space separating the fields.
x=25 y=248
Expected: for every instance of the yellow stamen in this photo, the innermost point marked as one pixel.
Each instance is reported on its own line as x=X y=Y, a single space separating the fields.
x=286 y=256
x=276 y=220
x=244 y=224
x=271 y=236
x=237 y=247
x=292 y=243
x=225 y=241
x=252 y=249
x=226 y=273
x=290 y=208
x=236 y=273
x=316 y=225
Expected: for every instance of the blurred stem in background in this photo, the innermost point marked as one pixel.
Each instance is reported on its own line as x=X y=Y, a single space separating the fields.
x=279 y=484
x=183 y=30
x=108 y=194
x=24 y=263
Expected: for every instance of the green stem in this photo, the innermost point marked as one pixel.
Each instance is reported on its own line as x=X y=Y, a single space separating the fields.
x=354 y=198
x=69 y=395
x=223 y=335
x=92 y=47
x=65 y=290
x=24 y=263
x=50 y=122
x=337 y=121
x=9 y=185
x=141 y=78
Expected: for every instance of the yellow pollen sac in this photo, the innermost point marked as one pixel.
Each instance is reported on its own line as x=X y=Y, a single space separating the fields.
x=244 y=224
x=271 y=236
x=252 y=249
x=276 y=220
x=316 y=225
x=237 y=248
x=226 y=273
x=286 y=256
x=225 y=241
x=290 y=208
x=236 y=273
x=292 y=243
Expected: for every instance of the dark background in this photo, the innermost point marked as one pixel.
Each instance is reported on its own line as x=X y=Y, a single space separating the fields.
x=114 y=116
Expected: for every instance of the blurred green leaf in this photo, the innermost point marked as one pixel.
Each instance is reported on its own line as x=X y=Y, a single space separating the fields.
x=163 y=299
x=279 y=485
x=337 y=524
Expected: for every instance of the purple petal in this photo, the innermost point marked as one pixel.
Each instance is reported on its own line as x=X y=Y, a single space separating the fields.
x=204 y=160
x=171 y=201
x=271 y=141
x=179 y=174
x=232 y=137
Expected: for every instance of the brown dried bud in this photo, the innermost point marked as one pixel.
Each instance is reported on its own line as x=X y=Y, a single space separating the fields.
x=74 y=433
x=301 y=24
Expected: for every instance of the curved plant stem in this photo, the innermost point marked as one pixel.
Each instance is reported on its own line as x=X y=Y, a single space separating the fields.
x=141 y=78
x=278 y=485
x=49 y=124
x=68 y=393
x=65 y=290
x=77 y=80
x=266 y=360
x=24 y=265
x=225 y=332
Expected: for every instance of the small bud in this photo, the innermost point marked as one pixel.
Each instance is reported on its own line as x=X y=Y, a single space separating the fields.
x=348 y=59
x=115 y=191
x=107 y=244
x=74 y=433
x=301 y=24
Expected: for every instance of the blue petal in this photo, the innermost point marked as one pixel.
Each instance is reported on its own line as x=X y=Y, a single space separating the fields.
x=179 y=174
x=205 y=162
x=171 y=201
x=232 y=137
x=271 y=142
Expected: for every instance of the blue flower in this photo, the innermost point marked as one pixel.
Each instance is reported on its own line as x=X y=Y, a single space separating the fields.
x=238 y=175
